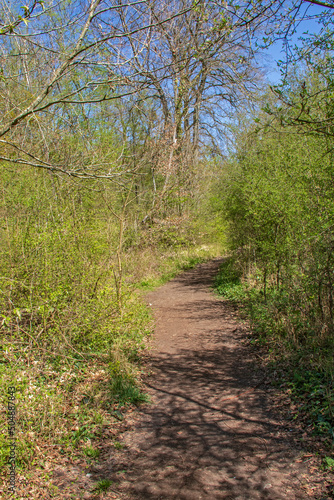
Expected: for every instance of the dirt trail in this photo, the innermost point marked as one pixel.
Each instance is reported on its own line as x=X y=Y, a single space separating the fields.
x=209 y=433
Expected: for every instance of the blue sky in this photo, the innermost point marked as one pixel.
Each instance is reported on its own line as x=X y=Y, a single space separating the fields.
x=276 y=51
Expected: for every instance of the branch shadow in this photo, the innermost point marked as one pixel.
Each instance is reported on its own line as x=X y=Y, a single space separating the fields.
x=210 y=432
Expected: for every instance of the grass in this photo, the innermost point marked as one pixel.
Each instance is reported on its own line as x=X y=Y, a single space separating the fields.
x=126 y=391
x=118 y=445
x=102 y=485
x=159 y=269
x=91 y=452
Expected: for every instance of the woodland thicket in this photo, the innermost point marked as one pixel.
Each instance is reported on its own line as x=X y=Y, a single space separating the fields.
x=278 y=204
x=137 y=139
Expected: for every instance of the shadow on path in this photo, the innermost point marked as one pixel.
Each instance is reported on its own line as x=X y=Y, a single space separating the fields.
x=209 y=432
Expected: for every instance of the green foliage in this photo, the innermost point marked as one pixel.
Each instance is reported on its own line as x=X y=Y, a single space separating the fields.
x=123 y=384
x=54 y=289
x=278 y=207
x=102 y=485
x=118 y=445
x=306 y=375
x=83 y=433
x=329 y=463
x=277 y=197
x=169 y=264
x=314 y=391
x=91 y=452
x=73 y=323
x=228 y=279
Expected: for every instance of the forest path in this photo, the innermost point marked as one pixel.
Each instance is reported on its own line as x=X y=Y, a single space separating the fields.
x=209 y=432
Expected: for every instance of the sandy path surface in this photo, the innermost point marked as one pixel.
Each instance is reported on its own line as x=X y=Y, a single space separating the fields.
x=209 y=432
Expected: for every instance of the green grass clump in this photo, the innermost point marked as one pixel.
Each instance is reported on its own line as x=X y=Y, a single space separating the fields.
x=102 y=485
x=124 y=386
x=91 y=452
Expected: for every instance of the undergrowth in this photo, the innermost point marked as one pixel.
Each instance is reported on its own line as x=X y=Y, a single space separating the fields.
x=75 y=261
x=302 y=359
x=69 y=388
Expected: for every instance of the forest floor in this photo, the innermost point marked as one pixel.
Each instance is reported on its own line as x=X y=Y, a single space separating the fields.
x=214 y=428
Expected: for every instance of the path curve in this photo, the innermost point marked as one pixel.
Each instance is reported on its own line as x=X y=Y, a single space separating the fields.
x=209 y=433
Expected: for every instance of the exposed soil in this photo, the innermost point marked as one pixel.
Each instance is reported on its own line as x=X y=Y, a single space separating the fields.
x=211 y=431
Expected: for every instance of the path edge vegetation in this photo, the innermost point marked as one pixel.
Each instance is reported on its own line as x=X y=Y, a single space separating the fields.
x=275 y=197
x=102 y=198
x=75 y=325
x=307 y=388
